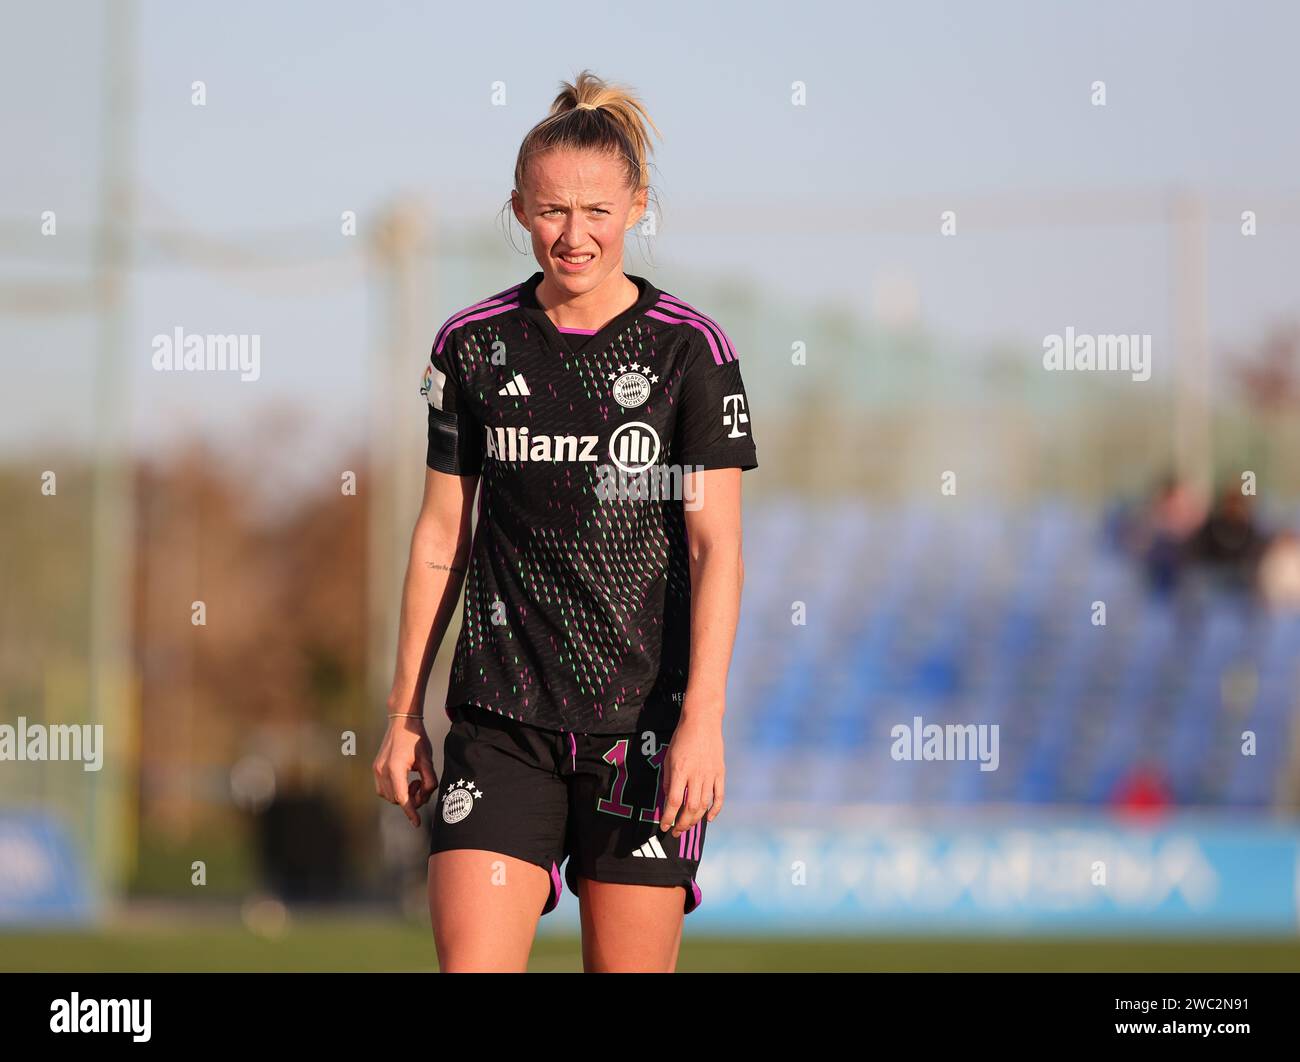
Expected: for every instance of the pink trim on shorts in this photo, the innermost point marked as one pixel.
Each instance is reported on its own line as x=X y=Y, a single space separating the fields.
x=557 y=890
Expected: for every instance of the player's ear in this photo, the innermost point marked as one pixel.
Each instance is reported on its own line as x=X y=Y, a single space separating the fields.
x=638 y=209
x=517 y=206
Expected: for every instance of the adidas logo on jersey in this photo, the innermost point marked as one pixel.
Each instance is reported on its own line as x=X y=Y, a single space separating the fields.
x=515 y=386
x=652 y=849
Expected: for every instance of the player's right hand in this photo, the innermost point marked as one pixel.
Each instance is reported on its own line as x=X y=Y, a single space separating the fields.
x=406 y=748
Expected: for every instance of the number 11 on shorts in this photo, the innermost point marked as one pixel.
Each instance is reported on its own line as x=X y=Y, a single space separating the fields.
x=613 y=804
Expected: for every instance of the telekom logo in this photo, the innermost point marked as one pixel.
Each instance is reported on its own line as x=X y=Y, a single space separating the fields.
x=734 y=415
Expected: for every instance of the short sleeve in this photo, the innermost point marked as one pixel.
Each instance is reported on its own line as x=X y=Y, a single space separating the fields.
x=455 y=437
x=713 y=415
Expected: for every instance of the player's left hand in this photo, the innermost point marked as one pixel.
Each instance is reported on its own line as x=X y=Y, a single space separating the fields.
x=693 y=773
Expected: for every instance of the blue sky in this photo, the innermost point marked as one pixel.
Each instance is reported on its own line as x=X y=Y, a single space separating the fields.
x=323 y=107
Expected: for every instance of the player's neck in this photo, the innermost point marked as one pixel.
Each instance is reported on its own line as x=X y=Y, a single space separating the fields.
x=590 y=309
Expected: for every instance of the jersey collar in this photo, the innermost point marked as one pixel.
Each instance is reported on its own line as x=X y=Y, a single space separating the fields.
x=575 y=341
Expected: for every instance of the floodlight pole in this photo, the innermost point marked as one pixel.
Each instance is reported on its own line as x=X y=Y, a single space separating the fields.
x=112 y=807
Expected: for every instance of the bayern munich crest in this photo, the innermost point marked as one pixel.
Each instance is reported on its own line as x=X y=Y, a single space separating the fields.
x=632 y=384
x=459 y=799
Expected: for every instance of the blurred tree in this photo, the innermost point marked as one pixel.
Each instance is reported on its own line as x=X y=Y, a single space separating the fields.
x=1268 y=376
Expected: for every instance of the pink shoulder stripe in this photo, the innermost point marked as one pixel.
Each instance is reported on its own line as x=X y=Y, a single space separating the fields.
x=719 y=356
x=489 y=307
x=672 y=304
x=717 y=345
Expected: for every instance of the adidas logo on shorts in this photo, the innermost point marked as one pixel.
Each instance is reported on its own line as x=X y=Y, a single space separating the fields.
x=652 y=849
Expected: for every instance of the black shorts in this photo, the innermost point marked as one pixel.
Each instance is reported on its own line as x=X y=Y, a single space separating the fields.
x=547 y=795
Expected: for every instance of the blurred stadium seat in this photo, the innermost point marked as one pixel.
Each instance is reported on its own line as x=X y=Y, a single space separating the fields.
x=986 y=617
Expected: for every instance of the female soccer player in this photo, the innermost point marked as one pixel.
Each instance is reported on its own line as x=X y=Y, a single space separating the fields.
x=604 y=425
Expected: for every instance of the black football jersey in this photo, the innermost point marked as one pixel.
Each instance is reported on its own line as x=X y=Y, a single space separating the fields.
x=577 y=599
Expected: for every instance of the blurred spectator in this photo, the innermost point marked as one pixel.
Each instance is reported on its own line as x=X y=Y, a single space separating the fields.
x=1279 y=572
x=1228 y=544
x=1161 y=534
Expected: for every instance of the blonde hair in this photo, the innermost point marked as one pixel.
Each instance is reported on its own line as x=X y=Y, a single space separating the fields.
x=593 y=115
